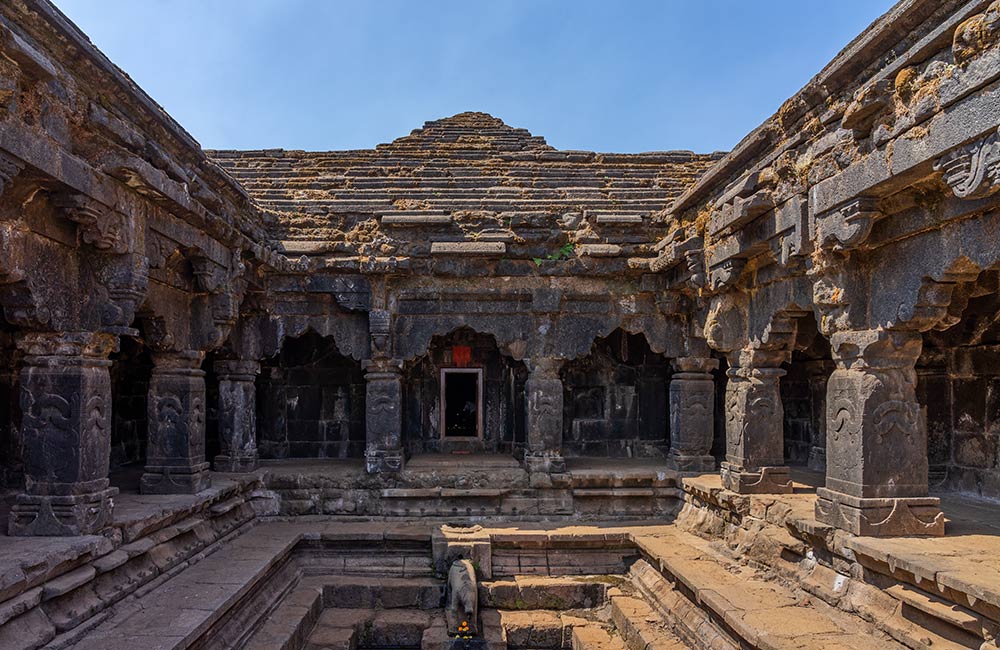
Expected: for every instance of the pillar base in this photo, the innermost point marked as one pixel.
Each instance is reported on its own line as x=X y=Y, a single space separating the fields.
x=690 y=464
x=171 y=479
x=544 y=463
x=880 y=517
x=384 y=461
x=236 y=464
x=765 y=480
x=75 y=514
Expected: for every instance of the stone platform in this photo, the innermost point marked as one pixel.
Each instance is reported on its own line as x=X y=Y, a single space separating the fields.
x=476 y=487
x=724 y=571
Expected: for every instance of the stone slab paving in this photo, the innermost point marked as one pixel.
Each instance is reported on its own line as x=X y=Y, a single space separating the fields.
x=762 y=611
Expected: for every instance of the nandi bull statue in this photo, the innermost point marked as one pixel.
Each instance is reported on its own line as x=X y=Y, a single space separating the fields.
x=462 y=600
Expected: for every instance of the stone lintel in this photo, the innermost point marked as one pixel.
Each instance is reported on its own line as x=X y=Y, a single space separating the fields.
x=468 y=248
x=598 y=250
x=416 y=219
x=617 y=219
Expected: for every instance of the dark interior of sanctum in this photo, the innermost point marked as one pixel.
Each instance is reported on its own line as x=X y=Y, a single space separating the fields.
x=464 y=390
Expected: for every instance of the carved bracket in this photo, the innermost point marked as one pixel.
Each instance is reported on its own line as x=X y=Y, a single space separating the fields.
x=9 y=168
x=100 y=226
x=972 y=171
x=849 y=225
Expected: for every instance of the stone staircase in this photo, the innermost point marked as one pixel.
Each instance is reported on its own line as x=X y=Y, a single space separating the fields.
x=468 y=163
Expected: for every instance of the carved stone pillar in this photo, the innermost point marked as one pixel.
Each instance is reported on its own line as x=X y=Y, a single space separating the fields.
x=237 y=415
x=755 y=451
x=66 y=425
x=692 y=401
x=819 y=375
x=544 y=401
x=876 y=448
x=383 y=416
x=175 y=454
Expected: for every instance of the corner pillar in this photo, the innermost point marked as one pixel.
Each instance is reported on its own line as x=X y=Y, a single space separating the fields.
x=692 y=406
x=544 y=412
x=383 y=416
x=876 y=446
x=237 y=415
x=755 y=453
x=175 y=455
x=66 y=428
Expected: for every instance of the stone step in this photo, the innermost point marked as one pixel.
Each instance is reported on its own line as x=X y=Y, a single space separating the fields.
x=543 y=592
x=595 y=637
x=760 y=613
x=376 y=592
x=640 y=627
x=196 y=599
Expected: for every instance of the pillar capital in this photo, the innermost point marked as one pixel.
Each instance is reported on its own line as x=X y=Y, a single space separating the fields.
x=67 y=348
x=237 y=369
x=701 y=365
x=544 y=367
x=876 y=349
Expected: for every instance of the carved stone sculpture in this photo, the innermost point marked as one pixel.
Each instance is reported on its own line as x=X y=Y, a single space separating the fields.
x=462 y=599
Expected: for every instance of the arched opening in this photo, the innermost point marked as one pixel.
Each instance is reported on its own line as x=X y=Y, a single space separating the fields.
x=958 y=387
x=803 y=396
x=615 y=400
x=463 y=395
x=131 y=367
x=310 y=401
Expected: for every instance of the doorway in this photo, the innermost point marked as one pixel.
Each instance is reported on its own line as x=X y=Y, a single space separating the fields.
x=461 y=402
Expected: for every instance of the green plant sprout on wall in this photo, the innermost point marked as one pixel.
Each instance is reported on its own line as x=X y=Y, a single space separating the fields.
x=564 y=252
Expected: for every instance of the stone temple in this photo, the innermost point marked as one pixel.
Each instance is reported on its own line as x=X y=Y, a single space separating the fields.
x=465 y=390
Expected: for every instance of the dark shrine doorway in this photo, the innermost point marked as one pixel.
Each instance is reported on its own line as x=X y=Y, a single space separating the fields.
x=462 y=402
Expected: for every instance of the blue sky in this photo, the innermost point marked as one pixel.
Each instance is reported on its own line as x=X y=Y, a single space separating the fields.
x=621 y=76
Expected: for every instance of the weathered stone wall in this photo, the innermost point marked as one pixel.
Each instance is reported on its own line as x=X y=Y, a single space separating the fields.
x=615 y=400
x=311 y=402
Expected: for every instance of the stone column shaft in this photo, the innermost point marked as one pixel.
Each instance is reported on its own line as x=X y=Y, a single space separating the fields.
x=237 y=415
x=66 y=426
x=175 y=454
x=755 y=450
x=692 y=408
x=876 y=446
x=383 y=416
x=544 y=412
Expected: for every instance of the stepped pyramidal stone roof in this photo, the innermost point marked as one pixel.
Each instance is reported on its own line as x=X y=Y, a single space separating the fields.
x=471 y=165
